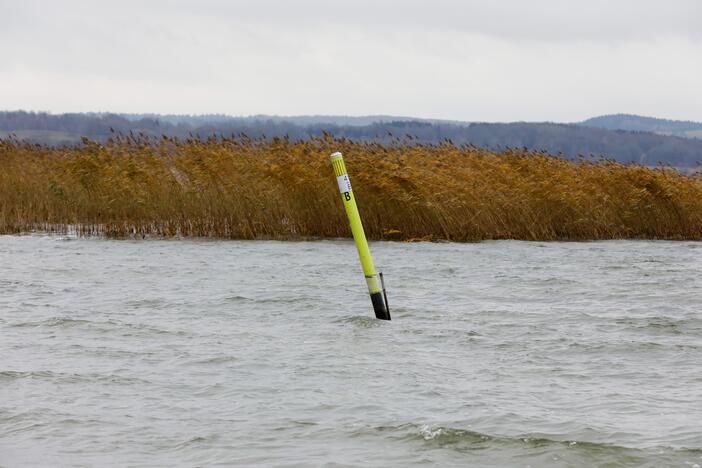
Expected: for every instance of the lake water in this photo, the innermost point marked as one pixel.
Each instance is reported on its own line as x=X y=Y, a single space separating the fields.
x=205 y=353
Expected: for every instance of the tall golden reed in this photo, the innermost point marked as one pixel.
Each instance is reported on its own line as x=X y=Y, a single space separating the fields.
x=242 y=189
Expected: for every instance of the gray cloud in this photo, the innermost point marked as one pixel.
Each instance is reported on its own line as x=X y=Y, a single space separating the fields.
x=476 y=60
x=543 y=20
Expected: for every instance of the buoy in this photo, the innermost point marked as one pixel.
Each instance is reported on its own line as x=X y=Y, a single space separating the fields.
x=376 y=286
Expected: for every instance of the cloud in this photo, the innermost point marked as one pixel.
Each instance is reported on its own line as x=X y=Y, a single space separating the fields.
x=543 y=20
x=474 y=60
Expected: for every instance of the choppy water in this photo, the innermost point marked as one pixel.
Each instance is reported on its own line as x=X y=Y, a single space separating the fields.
x=194 y=353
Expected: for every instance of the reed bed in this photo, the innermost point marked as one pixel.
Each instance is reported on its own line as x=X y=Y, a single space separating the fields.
x=242 y=189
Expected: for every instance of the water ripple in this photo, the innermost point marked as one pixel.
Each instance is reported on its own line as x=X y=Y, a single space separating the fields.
x=202 y=353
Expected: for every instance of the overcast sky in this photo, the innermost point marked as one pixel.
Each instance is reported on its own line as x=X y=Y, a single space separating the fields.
x=489 y=60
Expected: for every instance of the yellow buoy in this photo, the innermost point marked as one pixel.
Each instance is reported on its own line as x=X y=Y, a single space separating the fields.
x=375 y=286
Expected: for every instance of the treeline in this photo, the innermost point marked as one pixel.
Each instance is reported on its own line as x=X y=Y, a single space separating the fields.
x=570 y=141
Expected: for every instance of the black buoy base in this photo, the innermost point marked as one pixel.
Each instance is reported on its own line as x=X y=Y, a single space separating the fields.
x=381 y=310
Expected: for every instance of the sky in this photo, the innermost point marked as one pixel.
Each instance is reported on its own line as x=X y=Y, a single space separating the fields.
x=489 y=60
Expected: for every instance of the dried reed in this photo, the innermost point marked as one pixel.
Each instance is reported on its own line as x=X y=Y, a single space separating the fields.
x=242 y=189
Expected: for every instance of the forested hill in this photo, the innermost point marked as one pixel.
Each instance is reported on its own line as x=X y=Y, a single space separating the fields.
x=570 y=140
x=637 y=123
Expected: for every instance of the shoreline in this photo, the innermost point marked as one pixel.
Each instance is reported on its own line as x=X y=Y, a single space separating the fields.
x=72 y=234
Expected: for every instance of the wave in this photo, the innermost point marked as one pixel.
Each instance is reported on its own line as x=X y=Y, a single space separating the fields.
x=546 y=447
x=673 y=325
x=67 y=378
x=66 y=322
x=263 y=300
x=124 y=328
x=362 y=321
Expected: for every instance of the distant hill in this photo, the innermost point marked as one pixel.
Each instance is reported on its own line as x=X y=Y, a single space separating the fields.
x=303 y=120
x=637 y=123
x=569 y=140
